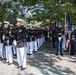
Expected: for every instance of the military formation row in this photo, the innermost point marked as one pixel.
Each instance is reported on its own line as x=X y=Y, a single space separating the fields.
x=19 y=40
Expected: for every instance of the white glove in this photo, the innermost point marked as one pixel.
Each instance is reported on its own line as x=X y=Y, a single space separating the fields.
x=3 y=37
x=15 y=42
x=60 y=38
x=8 y=42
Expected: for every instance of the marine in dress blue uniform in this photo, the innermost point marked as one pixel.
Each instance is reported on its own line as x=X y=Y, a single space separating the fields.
x=73 y=40
x=59 y=38
x=8 y=40
x=20 y=38
x=28 y=39
x=11 y=27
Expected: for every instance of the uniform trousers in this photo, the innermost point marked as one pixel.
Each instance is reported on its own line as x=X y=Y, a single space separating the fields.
x=59 y=42
x=28 y=47
x=21 y=57
x=64 y=43
x=31 y=47
x=35 y=45
x=43 y=39
x=67 y=43
x=14 y=49
x=38 y=42
x=72 y=49
x=9 y=55
x=1 y=48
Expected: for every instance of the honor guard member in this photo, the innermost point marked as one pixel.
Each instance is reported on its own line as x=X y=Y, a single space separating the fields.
x=54 y=36
x=20 y=38
x=31 y=41
x=38 y=38
x=7 y=37
x=43 y=35
x=59 y=38
x=33 y=38
x=36 y=34
x=28 y=39
x=73 y=40
x=46 y=34
x=35 y=41
x=12 y=31
x=64 y=40
x=1 y=41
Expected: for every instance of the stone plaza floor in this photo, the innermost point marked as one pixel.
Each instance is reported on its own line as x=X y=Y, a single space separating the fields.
x=44 y=62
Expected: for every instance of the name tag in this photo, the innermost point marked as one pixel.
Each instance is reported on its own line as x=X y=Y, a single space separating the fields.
x=20 y=30
x=59 y=33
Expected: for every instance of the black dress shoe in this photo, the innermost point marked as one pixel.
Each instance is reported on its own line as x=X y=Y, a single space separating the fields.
x=56 y=54
x=35 y=51
x=19 y=66
x=27 y=53
x=30 y=54
x=14 y=54
x=61 y=54
x=65 y=50
x=1 y=59
x=23 y=68
x=9 y=63
x=72 y=54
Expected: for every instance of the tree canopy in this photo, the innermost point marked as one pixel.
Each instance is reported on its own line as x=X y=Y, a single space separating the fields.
x=37 y=10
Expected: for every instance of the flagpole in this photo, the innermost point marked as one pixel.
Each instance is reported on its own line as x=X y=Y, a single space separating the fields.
x=65 y=29
x=65 y=21
x=69 y=30
x=56 y=23
x=51 y=31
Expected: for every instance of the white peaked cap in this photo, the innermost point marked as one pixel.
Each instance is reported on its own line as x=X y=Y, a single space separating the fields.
x=28 y=25
x=6 y=22
x=38 y=26
x=11 y=24
x=19 y=19
x=0 y=22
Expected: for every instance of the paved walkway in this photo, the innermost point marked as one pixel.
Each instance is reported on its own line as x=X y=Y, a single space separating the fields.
x=44 y=62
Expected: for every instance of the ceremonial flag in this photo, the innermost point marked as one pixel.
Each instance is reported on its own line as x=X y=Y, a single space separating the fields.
x=50 y=28
x=58 y=18
x=69 y=30
x=50 y=25
x=69 y=23
x=55 y=23
x=65 y=22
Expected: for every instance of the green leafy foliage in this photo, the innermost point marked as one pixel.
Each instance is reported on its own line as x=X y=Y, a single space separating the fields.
x=42 y=10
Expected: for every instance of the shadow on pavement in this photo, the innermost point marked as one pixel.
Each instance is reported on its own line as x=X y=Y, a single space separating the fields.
x=44 y=62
